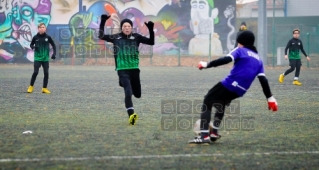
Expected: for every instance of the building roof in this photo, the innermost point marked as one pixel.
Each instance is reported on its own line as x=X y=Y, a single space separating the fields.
x=279 y=4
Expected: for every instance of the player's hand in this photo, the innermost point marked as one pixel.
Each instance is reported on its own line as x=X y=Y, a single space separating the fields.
x=150 y=25
x=105 y=17
x=202 y=65
x=272 y=104
x=53 y=57
x=308 y=58
x=286 y=57
x=34 y=48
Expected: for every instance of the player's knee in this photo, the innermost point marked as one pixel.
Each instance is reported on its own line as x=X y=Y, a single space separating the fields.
x=206 y=106
x=206 y=101
x=46 y=74
x=219 y=116
x=292 y=68
x=128 y=93
x=138 y=95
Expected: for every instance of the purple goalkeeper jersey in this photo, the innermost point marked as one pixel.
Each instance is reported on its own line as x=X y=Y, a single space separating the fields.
x=247 y=65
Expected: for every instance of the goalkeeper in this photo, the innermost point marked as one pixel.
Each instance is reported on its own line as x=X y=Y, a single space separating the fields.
x=126 y=57
x=247 y=65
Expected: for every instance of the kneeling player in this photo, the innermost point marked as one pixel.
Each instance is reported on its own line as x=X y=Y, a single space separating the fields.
x=247 y=65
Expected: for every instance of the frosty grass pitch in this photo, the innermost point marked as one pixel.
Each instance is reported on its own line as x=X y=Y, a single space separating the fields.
x=83 y=123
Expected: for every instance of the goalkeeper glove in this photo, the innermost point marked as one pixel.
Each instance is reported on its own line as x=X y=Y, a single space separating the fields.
x=53 y=57
x=202 y=65
x=272 y=104
x=105 y=17
x=149 y=25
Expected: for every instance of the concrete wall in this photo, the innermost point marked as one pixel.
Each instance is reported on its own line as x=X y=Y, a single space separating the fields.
x=295 y=8
x=249 y=10
x=303 y=8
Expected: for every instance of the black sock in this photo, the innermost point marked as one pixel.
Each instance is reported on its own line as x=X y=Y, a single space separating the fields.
x=33 y=78
x=130 y=111
x=45 y=81
x=217 y=121
x=204 y=123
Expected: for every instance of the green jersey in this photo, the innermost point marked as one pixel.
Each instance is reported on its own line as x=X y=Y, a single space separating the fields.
x=127 y=55
x=125 y=47
x=40 y=43
x=295 y=46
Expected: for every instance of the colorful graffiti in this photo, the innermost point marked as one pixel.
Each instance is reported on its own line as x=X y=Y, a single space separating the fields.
x=19 y=21
x=190 y=27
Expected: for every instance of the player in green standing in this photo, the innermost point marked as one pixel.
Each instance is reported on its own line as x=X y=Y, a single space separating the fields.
x=294 y=46
x=126 y=55
x=40 y=44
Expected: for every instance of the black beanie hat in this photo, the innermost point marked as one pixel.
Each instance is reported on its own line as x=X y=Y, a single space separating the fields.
x=246 y=38
x=243 y=23
x=126 y=20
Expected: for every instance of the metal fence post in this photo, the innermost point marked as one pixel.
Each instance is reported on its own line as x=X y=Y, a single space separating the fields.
x=210 y=48
x=262 y=45
x=273 y=35
x=95 y=54
x=179 y=50
x=308 y=51
x=318 y=37
x=151 y=56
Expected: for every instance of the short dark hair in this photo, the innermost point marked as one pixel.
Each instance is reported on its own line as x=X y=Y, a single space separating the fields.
x=41 y=24
x=296 y=30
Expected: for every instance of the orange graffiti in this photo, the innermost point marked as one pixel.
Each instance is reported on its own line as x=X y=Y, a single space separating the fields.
x=171 y=33
x=111 y=10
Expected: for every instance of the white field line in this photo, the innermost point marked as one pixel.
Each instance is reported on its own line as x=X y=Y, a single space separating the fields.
x=154 y=156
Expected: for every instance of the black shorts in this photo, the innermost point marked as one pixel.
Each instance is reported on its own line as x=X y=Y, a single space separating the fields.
x=295 y=62
x=132 y=74
x=38 y=64
x=219 y=94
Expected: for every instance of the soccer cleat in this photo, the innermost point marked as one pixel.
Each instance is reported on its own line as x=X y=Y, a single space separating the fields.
x=30 y=89
x=214 y=137
x=200 y=140
x=45 y=90
x=296 y=82
x=132 y=119
x=281 y=78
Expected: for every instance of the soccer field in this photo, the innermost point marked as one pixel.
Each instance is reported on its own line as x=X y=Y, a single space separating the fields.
x=83 y=123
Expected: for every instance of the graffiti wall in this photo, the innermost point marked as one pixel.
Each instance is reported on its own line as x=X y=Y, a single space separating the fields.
x=189 y=27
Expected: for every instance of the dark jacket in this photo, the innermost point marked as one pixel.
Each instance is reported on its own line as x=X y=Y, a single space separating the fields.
x=40 y=44
x=294 y=46
x=126 y=47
